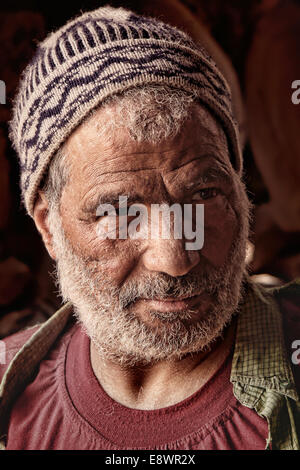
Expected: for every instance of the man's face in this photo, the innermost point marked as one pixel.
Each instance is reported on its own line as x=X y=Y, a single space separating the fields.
x=148 y=299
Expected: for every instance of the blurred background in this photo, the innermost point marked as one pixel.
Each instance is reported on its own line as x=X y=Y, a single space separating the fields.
x=256 y=44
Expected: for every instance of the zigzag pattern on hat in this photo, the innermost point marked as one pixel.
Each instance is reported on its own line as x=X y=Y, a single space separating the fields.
x=92 y=57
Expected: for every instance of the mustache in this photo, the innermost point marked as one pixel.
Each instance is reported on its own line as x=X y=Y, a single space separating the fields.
x=164 y=286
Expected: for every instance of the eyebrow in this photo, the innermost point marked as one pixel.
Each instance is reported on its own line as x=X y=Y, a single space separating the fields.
x=216 y=173
x=111 y=198
x=209 y=175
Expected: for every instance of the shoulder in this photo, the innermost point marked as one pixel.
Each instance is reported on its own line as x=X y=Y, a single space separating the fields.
x=12 y=344
x=35 y=342
x=288 y=298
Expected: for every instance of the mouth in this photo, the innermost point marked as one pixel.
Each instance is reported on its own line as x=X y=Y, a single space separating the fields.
x=170 y=304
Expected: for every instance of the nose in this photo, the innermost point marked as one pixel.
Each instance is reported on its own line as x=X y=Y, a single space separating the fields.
x=170 y=257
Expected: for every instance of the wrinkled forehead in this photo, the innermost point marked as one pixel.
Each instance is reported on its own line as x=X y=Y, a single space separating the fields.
x=98 y=148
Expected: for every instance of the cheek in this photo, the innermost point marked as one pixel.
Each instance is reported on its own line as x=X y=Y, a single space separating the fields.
x=116 y=258
x=220 y=226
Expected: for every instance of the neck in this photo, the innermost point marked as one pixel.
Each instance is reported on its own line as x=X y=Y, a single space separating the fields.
x=163 y=383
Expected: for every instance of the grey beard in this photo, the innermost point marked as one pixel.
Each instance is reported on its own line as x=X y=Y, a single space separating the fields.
x=118 y=333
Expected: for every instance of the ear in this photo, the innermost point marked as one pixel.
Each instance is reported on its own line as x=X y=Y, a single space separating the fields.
x=40 y=214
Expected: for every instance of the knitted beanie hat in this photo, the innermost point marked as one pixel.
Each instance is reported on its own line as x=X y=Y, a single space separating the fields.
x=98 y=54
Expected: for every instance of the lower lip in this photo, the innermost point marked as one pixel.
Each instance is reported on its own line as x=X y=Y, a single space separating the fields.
x=168 y=305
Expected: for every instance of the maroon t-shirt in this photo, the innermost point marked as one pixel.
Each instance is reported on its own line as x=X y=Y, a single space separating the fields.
x=65 y=407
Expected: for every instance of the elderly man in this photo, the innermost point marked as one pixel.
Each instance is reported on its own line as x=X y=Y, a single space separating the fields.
x=159 y=345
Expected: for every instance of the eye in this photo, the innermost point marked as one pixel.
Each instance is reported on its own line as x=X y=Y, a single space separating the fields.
x=106 y=214
x=119 y=212
x=206 y=193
